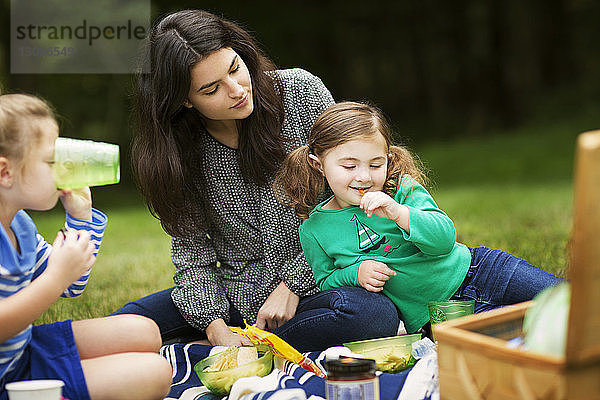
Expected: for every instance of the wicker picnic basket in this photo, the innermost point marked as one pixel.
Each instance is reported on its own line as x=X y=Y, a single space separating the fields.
x=474 y=361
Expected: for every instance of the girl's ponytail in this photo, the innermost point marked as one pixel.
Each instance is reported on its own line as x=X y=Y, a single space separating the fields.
x=400 y=162
x=297 y=183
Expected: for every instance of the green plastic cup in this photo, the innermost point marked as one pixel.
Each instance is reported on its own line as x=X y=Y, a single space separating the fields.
x=80 y=163
x=440 y=311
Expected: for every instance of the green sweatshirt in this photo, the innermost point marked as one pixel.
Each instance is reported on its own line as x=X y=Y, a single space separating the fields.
x=430 y=265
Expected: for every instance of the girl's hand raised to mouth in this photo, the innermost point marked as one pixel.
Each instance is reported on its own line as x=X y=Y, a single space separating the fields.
x=77 y=202
x=384 y=206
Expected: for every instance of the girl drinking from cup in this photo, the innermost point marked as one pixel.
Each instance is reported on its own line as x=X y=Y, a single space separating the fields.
x=113 y=357
x=382 y=230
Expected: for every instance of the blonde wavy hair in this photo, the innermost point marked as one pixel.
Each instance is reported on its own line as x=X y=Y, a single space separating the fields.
x=298 y=184
x=21 y=117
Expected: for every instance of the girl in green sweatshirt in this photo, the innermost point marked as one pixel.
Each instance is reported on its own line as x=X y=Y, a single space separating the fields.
x=382 y=230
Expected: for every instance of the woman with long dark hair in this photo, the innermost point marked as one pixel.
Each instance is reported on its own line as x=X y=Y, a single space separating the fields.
x=214 y=120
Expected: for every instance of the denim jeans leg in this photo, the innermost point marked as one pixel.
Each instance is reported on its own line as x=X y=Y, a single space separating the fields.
x=339 y=315
x=497 y=278
x=160 y=307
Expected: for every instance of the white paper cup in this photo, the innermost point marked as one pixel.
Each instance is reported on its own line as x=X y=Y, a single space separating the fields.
x=42 y=389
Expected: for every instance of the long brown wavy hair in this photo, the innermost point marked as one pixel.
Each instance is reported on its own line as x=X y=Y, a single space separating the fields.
x=164 y=152
x=298 y=184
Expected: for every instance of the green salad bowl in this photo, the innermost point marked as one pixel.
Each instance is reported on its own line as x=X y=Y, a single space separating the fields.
x=391 y=354
x=220 y=382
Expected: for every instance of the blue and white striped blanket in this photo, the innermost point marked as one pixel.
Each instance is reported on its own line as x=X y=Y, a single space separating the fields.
x=187 y=386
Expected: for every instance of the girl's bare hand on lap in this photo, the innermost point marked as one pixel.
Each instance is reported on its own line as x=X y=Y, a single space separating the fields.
x=373 y=274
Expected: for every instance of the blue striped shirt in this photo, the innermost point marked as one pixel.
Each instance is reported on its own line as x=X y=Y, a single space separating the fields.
x=17 y=270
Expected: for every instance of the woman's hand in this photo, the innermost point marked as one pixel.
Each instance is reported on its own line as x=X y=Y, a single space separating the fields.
x=279 y=308
x=384 y=206
x=72 y=256
x=219 y=334
x=77 y=202
x=372 y=275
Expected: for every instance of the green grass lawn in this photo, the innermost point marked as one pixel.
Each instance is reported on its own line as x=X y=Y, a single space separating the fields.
x=134 y=260
x=511 y=190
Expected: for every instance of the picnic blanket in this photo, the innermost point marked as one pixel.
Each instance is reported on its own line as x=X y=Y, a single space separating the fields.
x=291 y=381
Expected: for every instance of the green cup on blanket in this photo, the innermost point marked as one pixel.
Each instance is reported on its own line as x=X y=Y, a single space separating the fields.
x=440 y=311
x=217 y=378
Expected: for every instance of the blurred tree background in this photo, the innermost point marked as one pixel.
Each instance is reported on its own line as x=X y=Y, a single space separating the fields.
x=440 y=70
x=491 y=94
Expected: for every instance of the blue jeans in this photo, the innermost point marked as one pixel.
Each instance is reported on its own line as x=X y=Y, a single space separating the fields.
x=326 y=319
x=497 y=278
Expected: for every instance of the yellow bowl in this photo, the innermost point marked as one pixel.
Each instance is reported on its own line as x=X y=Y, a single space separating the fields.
x=220 y=382
x=391 y=354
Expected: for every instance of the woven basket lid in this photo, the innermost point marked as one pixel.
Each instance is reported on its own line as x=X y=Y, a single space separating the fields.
x=583 y=336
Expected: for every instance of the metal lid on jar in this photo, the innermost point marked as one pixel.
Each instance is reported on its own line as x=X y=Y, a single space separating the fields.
x=349 y=366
